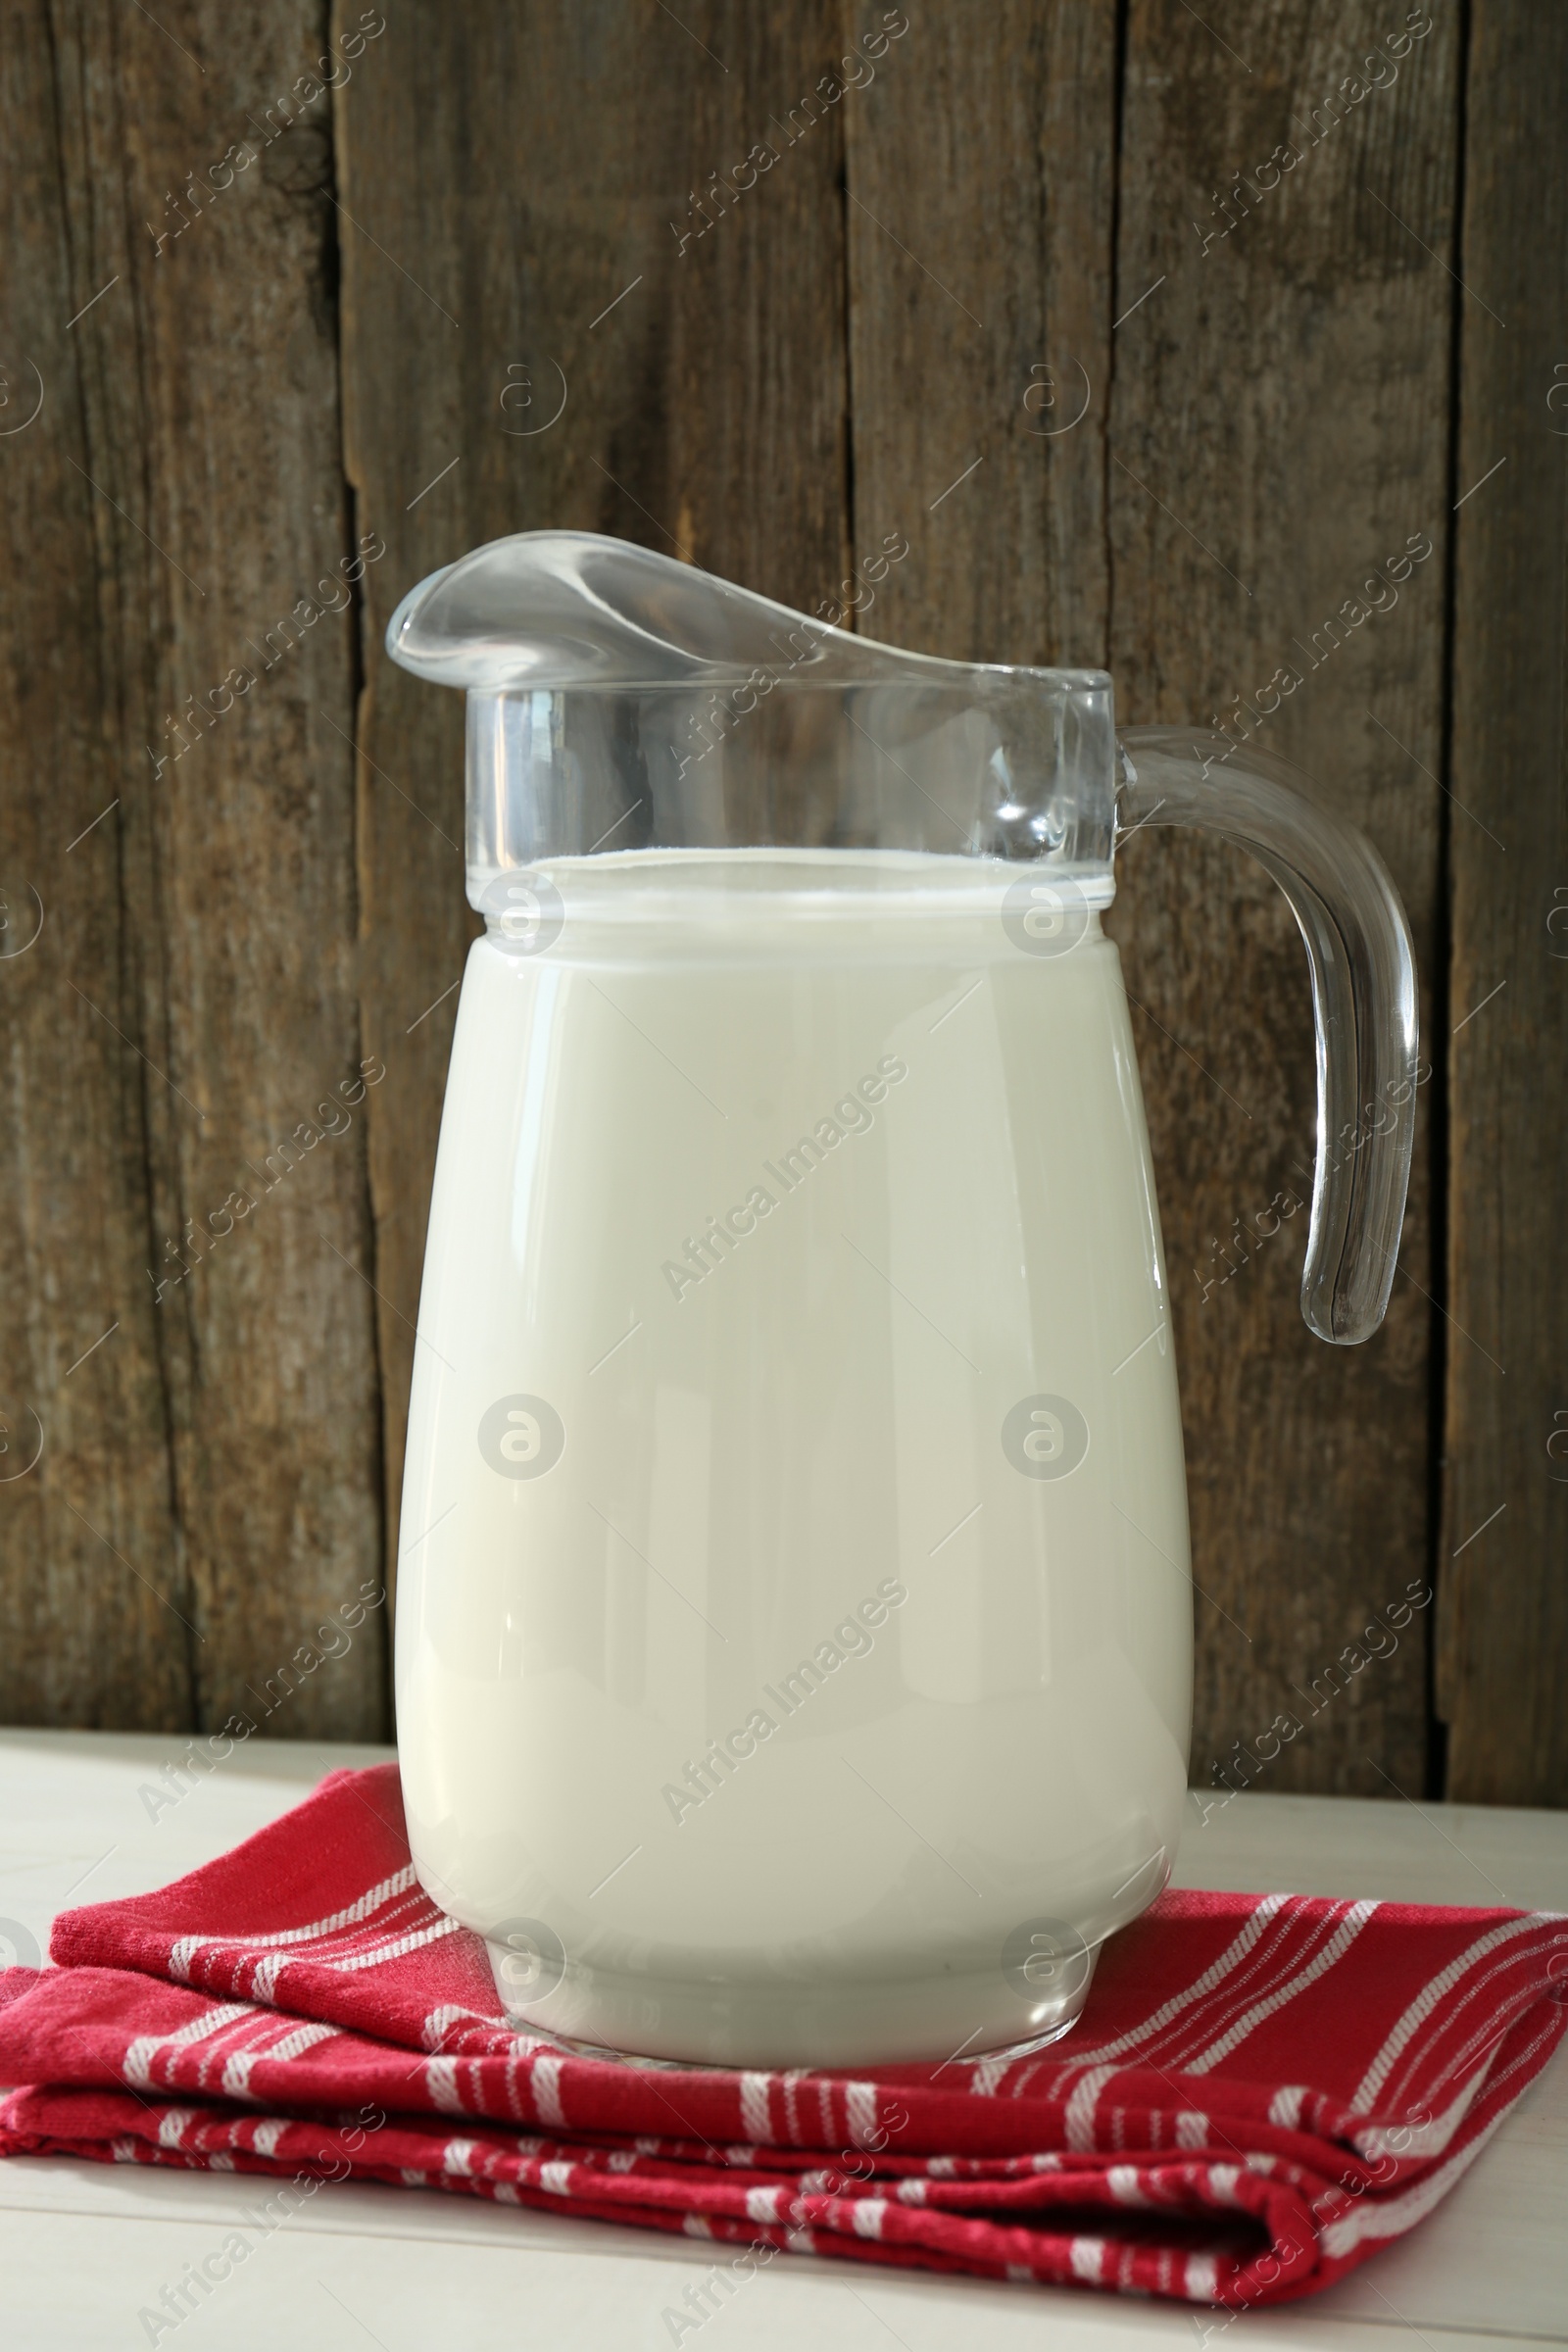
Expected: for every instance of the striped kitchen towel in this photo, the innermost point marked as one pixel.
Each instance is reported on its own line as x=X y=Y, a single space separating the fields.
x=1261 y=2092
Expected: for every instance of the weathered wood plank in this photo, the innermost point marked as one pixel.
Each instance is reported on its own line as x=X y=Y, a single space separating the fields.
x=704 y=403
x=981 y=185
x=219 y=917
x=87 y=1536
x=1279 y=430
x=1505 y=1593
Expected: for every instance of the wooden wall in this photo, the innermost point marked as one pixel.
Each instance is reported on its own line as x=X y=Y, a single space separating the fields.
x=1154 y=335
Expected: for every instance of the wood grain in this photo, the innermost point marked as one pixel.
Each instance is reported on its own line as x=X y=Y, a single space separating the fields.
x=704 y=412
x=197 y=1005
x=1012 y=287
x=980 y=330
x=96 y=1592
x=1504 y=1616
x=1278 y=429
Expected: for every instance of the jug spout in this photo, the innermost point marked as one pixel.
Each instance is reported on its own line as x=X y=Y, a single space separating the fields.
x=619 y=700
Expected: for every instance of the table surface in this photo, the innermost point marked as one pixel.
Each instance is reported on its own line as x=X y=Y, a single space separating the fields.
x=86 y=2247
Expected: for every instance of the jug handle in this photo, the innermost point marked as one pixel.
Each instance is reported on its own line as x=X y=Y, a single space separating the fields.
x=1363 y=994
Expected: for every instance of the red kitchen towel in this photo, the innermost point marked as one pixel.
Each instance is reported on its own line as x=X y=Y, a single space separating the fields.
x=1261 y=2092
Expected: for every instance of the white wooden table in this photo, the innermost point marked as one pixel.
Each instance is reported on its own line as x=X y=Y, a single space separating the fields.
x=84 y=2247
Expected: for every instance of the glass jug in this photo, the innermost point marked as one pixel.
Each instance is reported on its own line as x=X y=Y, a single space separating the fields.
x=794 y=1609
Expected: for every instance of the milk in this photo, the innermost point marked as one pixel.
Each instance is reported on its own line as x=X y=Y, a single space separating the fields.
x=793 y=1607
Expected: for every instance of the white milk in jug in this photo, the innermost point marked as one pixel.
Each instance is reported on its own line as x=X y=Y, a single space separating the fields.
x=792 y=1608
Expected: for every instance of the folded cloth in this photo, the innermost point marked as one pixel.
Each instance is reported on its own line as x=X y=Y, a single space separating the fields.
x=1261 y=2090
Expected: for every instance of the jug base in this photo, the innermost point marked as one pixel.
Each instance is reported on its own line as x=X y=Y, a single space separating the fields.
x=930 y=2021
x=696 y=2065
